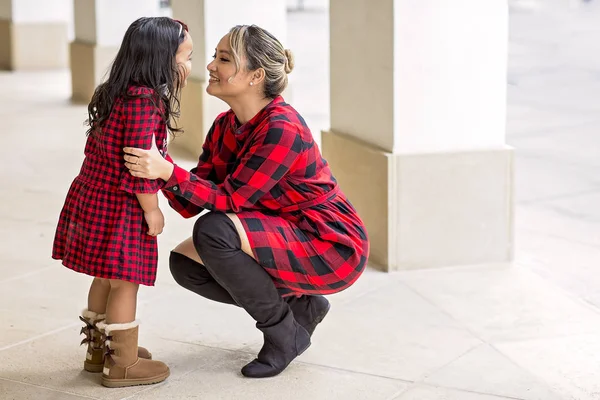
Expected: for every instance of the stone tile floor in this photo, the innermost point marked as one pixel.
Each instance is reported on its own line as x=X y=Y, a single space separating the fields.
x=528 y=330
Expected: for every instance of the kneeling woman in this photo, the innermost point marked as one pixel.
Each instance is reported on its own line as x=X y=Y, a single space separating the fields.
x=280 y=233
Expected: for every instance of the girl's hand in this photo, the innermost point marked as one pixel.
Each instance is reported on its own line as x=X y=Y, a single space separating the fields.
x=156 y=221
x=148 y=164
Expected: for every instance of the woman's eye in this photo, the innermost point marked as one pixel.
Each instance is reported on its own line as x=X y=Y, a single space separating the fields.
x=224 y=60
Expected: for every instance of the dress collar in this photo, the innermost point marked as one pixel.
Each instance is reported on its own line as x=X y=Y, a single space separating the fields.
x=243 y=129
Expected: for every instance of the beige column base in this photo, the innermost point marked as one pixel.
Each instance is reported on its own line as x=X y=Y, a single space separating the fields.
x=89 y=66
x=428 y=210
x=33 y=45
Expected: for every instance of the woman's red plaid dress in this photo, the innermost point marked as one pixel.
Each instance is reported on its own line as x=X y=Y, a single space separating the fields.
x=101 y=229
x=269 y=171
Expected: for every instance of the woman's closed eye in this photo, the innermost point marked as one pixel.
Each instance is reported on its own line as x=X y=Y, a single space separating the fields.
x=222 y=59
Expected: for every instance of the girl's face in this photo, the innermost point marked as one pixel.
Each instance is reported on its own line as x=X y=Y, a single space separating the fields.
x=223 y=81
x=183 y=58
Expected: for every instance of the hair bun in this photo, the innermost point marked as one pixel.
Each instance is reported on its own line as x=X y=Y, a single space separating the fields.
x=289 y=61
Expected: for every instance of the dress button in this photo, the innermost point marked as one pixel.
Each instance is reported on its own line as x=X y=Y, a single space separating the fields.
x=175 y=188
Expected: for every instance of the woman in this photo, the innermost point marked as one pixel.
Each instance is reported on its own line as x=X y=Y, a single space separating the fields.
x=280 y=233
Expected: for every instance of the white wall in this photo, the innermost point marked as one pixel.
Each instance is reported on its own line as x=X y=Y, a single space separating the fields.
x=104 y=22
x=41 y=11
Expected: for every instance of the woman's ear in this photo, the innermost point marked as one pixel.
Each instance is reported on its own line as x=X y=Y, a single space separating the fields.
x=258 y=76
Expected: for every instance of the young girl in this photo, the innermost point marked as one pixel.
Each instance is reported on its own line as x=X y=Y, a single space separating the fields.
x=110 y=220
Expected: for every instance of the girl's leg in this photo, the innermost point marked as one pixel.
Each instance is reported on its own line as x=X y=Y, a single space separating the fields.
x=98 y=295
x=122 y=365
x=94 y=314
x=122 y=302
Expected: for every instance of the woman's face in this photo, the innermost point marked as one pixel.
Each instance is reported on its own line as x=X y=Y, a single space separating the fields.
x=224 y=82
x=183 y=58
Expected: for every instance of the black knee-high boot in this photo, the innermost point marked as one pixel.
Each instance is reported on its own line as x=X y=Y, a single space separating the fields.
x=218 y=244
x=195 y=277
x=308 y=311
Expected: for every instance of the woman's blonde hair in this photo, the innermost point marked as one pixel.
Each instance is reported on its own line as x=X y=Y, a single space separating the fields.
x=262 y=50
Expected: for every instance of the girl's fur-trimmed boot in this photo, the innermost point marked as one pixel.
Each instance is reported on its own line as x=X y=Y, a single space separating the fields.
x=122 y=366
x=94 y=357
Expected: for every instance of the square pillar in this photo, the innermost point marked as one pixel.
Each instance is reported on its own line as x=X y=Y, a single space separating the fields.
x=417 y=138
x=34 y=34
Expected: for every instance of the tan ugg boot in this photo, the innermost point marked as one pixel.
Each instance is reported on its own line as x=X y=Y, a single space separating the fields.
x=94 y=357
x=122 y=366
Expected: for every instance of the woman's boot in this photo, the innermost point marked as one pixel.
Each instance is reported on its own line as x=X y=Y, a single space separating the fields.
x=122 y=366
x=309 y=310
x=283 y=342
x=94 y=357
x=219 y=246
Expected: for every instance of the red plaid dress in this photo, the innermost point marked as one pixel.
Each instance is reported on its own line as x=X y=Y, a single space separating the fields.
x=101 y=229
x=269 y=171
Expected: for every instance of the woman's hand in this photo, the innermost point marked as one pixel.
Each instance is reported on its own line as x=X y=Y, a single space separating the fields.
x=148 y=164
x=156 y=221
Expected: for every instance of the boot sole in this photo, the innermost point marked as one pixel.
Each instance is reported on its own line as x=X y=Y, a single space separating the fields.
x=118 y=383
x=94 y=368
x=275 y=373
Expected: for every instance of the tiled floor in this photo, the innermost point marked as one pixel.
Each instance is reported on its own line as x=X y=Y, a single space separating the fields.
x=529 y=330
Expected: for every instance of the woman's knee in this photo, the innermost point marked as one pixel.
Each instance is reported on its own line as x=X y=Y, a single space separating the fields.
x=188 y=249
x=214 y=231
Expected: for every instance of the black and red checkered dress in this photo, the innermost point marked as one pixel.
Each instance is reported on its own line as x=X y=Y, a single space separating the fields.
x=101 y=229
x=269 y=171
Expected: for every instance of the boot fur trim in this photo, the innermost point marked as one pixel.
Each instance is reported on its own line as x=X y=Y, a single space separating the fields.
x=92 y=316
x=108 y=328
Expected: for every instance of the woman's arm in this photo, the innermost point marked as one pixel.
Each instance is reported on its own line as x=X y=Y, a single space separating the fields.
x=152 y=166
x=268 y=160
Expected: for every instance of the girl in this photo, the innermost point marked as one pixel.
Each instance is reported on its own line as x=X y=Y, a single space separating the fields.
x=110 y=220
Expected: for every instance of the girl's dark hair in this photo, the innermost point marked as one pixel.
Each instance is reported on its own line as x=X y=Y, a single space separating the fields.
x=146 y=58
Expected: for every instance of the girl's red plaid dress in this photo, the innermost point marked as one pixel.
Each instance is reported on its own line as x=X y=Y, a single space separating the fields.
x=101 y=229
x=270 y=173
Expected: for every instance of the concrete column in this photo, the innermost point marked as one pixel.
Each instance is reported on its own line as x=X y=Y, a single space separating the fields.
x=417 y=138
x=99 y=29
x=34 y=34
x=209 y=21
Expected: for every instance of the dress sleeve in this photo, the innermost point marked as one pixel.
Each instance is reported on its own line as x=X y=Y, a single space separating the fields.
x=142 y=120
x=271 y=155
x=204 y=170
